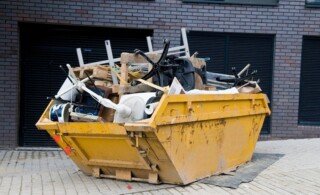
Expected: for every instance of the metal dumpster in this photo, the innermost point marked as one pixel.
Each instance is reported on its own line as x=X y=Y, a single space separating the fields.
x=187 y=138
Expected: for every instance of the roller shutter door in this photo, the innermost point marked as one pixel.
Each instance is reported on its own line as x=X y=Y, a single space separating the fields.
x=227 y=50
x=309 y=106
x=43 y=48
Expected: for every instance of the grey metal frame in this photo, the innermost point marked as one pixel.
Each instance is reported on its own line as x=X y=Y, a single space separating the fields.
x=242 y=2
x=313 y=3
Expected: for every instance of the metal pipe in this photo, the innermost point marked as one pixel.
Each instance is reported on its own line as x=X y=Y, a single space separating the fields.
x=213 y=76
x=244 y=69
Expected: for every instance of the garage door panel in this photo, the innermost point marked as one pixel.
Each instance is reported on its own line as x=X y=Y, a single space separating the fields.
x=257 y=51
x=44 y=48
x=209 y=44
x=228 y=50
x=309 y=106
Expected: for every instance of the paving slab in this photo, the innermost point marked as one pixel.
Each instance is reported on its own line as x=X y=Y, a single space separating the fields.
x=50 y=171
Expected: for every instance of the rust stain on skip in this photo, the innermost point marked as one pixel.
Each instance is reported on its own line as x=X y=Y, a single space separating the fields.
x=220 y=122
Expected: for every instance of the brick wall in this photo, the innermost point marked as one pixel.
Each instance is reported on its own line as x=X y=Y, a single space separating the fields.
x=289 y=21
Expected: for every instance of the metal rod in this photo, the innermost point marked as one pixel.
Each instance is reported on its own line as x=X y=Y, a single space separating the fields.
x=67 y=75
x=213 y=76
x=94 y=85
x=71 y=73
x=244 y=69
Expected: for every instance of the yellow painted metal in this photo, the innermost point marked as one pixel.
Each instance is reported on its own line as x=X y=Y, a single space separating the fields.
x=188 y=137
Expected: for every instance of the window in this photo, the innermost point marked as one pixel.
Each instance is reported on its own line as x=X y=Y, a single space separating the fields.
x=312 y=3
x=247 y=2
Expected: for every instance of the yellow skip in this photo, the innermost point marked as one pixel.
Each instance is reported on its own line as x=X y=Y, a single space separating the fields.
x=187 y=138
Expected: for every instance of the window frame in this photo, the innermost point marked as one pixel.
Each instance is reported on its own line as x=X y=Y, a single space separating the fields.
x=312 y=4
x=238 y=2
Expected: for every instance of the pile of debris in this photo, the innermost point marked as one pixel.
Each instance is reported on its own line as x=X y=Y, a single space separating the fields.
x=128 y=89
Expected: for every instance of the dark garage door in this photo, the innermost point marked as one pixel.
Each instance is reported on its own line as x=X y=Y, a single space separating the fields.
x=309 y=106
x=237 y=50
x=43 y=48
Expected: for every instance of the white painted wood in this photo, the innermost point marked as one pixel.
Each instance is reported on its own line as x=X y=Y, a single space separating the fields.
x=149 y=41
x=80 y=57
x=185 y=41
x=178 y=48
x=111 y=62
x=172 y=51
